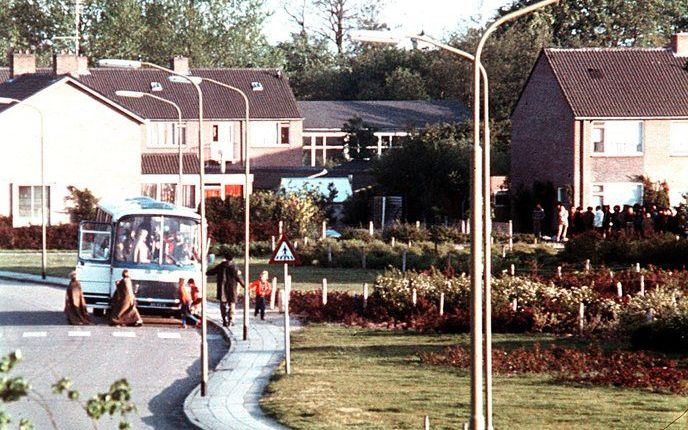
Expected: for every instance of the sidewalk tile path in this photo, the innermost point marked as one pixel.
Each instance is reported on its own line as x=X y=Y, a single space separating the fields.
x=238 y=382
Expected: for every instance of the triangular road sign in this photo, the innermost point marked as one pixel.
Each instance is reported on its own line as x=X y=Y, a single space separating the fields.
x=284 y=253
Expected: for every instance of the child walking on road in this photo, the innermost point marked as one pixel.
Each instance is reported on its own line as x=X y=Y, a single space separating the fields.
x=262 y=288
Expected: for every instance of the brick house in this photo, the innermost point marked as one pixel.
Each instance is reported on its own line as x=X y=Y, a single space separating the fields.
x=592 y=120
x=122 y=147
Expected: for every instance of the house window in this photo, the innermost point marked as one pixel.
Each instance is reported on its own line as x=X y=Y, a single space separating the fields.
x=30 y=200
x=561 y=195
x=263 y=133
x=216 y=132
x=617 y=138
x=284 y=134
x=164 y=134
x=149 y=190
x=617 y=193
x=213 y=191
x=189 y=196
x=234 y=190
x=598 y=195
x=679 y=138
x=168 y=192
x=501 y=199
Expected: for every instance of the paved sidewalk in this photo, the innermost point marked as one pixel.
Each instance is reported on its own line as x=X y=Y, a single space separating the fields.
x=238 y=382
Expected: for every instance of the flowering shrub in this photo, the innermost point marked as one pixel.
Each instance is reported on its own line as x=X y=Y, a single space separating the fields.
x=591 y=365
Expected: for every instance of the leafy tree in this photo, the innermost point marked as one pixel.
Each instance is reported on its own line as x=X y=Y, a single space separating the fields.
x=655 y=193
x=405 y=84
x=430 y=170
x=308 y=63
x=360 y=135
x=83 y=204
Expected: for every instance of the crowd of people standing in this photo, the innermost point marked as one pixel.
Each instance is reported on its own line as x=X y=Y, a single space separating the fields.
x=630 y=220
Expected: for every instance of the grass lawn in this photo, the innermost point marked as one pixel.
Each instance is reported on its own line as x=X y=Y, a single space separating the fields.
x=372 y=379
x=60 y=263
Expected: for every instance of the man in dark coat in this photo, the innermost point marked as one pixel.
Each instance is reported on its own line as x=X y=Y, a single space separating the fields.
x=227 y=279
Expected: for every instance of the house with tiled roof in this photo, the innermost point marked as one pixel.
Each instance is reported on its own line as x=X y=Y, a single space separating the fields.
x=122 y=147
x=591 y=121
x=324 y=142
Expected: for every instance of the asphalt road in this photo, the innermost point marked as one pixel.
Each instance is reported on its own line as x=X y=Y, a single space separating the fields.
x=160 y=360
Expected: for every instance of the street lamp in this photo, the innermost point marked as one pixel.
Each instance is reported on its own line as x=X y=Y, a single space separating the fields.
x=44 y=253
x=178 y=142
x=130 y=64
x=480 y=217
x=247 y=172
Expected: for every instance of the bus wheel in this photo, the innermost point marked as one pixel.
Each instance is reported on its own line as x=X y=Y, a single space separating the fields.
x=99 y=312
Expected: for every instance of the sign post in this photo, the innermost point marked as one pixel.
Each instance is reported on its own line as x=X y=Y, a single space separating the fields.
x=284 y=254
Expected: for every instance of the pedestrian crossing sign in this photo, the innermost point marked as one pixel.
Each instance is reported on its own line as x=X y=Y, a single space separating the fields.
x=284 y=253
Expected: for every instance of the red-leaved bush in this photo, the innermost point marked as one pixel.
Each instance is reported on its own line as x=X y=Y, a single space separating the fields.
x=585 y=366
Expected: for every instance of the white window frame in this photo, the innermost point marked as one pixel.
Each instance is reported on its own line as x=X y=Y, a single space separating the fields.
x=608 y=138
x=169 y=140
x=608 y=187
x=257 y=134
x=674 y=134
x=18 y=219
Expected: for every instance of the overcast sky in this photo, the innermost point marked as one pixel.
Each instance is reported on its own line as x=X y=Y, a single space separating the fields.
x=436 y=17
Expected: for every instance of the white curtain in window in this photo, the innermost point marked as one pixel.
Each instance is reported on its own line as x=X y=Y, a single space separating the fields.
x=623 y=193
x=679 y=137
x=623 y=137
x=263 y=133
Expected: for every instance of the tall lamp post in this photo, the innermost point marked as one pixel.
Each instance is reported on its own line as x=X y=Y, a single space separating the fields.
x=44 y=253
x=130 y=64
x=247 y=172
x=481 y=223
x=178 y=142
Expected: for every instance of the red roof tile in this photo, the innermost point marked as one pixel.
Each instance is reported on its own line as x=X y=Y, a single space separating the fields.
x=621 y=82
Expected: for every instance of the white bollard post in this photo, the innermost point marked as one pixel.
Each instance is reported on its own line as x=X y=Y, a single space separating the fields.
x=409 y=244
x=619 y=289
x=273 y=293
x=642 y=285
x=426 y=423
x=512 y=270
x=611 y=275
x=394 y=241
x=559 y=272
x=324 y=291
x=463 y=226
x=365 y=295
x=324 y=230
x=441 y=304
x=417 y=225
x=504 y=251
x=272 y=242
x=587 y=265
x=637 y=267
x=371 y=230
x=514 y=304
x=511 y=236
x=305 y=240
x=403 y=261
x=581 y=317
x=280 y=227
x=296 y=244
x=414 y=297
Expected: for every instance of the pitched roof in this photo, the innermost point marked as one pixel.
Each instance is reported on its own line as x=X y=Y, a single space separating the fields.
x=275 y=101
x=24 y=86
x=168 y=164
x=384 y=115
x=621 y=82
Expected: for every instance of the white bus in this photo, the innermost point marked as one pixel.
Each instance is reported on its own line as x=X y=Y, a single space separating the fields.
x=156 y=241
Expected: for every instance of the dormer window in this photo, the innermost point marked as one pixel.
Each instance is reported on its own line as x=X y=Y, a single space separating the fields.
x=256 y=86
x=156 y=86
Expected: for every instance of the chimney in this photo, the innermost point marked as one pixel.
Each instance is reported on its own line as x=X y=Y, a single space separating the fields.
x=181 y=65
x=22 y=63
x=70 y=64
x=679 y=44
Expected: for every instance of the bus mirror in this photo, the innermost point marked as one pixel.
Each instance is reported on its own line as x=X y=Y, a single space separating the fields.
x=211 y=259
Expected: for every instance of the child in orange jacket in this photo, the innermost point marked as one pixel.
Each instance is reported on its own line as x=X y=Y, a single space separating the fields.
x=263 y=290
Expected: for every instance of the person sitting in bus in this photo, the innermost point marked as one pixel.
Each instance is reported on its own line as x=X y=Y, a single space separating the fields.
x=129 y=242
x=154 y=243
x=119 y=251
x=141 y=251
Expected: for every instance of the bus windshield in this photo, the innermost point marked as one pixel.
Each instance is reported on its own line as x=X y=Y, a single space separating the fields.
x=156 y=240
